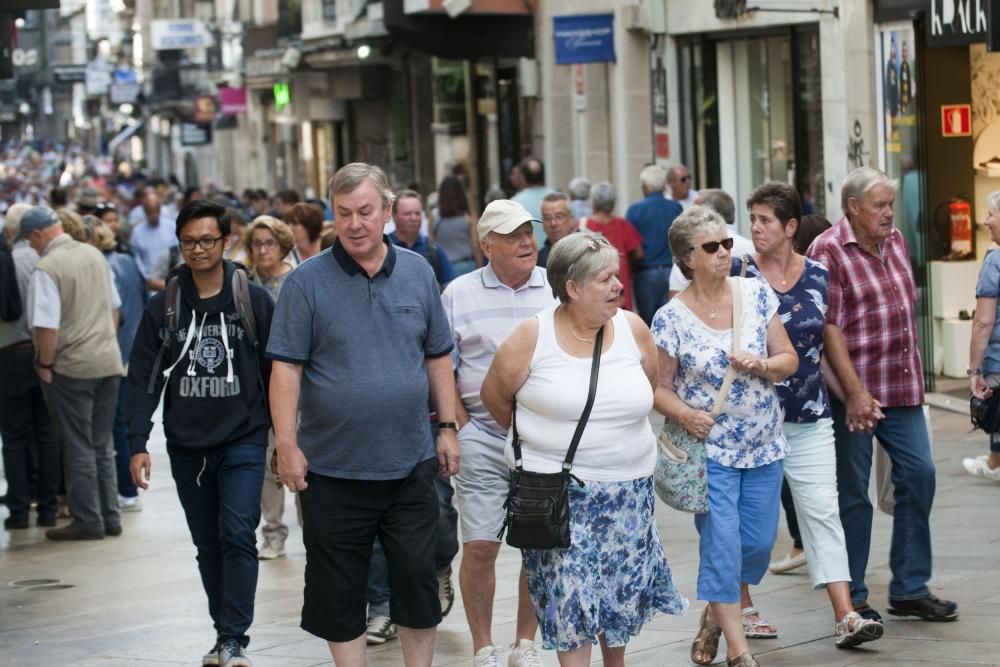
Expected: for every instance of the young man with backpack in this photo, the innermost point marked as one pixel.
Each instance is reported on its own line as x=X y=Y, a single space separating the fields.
x=203 y=338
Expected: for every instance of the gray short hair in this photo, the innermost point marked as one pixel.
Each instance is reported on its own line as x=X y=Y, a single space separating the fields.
x=720 y=202
x=993 y=201
x=578 y=257
x=579 y=188
x=653 y=177
x=12 y=221
x=860 y=181
x=603 y=196
x=350 y=177
x=693 y=222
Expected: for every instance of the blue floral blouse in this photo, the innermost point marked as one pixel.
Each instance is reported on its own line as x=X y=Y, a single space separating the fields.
x=803 y=312
x=747 y=433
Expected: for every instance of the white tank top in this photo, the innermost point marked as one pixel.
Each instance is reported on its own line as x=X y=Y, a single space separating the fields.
x=618 y=443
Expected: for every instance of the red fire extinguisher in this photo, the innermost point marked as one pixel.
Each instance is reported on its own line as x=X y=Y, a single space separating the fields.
x=960 y=214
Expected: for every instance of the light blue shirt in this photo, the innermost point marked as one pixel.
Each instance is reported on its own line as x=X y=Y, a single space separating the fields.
x=988 y=287
x=150 y=243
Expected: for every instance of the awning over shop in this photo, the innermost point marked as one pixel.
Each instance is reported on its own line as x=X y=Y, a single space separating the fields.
x=465 y=36
x=122 y=136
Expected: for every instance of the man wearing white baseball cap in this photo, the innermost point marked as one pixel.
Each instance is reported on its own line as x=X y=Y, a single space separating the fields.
x=483 y=309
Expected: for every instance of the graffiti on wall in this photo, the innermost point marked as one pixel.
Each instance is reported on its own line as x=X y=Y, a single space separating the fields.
x=857 y=156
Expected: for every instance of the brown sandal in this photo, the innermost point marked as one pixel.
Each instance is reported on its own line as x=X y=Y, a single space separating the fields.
x=743 y=660
x=706 y=641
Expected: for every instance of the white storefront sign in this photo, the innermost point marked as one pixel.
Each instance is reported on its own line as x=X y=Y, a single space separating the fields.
x=169 y=34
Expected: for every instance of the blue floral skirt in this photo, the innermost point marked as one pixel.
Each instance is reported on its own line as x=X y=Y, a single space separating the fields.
x=613 y=578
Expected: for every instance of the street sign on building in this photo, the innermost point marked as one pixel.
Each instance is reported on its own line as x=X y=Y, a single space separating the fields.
x=69 y=73
x=194 y=134
x=170 y=34
x=584 y=38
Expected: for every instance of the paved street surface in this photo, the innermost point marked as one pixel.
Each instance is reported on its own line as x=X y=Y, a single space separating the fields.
x=137 y=600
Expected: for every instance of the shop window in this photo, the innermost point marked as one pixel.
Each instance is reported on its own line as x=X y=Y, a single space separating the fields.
x=329 y=10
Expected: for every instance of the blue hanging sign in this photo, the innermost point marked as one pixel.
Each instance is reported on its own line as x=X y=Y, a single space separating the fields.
x=584 y=38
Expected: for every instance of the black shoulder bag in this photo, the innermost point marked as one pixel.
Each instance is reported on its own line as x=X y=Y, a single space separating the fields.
x=537 y=505
x=985 y=412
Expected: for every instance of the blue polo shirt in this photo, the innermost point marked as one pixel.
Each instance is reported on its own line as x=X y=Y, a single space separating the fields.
x=443 y=270
x=652 y=217
x=362 y=342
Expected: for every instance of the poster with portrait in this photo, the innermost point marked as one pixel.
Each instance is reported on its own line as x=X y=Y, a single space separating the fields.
x=898 y=130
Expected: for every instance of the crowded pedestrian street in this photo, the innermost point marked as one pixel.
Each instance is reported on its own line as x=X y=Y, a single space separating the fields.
x=136 y=600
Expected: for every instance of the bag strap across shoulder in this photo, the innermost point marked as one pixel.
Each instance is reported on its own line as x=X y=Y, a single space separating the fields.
x=595 y=367
x=727 y=382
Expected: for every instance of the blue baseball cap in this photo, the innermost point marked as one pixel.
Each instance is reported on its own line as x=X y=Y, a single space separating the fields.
x=38 y=217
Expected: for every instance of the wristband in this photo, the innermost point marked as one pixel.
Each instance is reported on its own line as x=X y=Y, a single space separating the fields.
x=452 y=425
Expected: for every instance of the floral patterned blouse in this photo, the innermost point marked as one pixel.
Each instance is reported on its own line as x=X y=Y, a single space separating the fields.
x=747 y=433
x=803 y=312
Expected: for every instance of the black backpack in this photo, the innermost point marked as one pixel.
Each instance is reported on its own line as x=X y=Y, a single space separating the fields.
x=244 y=313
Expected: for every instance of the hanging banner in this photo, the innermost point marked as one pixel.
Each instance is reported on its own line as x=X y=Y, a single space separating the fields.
x=584 y=38
x=232 y=101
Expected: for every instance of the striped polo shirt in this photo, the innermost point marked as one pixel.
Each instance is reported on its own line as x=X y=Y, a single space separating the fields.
x=482 y=313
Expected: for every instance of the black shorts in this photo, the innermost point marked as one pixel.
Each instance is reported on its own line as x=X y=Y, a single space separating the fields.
x=340 y=520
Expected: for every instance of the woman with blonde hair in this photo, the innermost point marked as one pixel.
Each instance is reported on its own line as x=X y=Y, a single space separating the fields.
x=270 y=242
x=131 y=287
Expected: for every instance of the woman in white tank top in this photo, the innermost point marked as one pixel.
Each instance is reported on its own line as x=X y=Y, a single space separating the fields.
x=615 y=576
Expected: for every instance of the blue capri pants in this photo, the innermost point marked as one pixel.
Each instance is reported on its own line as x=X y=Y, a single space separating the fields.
x=738 y=530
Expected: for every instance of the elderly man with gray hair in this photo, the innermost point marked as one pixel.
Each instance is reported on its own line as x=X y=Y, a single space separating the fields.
x=359 y=341
x=652 y=217
x=24 y=420
x=871 y=343
x=579 y=197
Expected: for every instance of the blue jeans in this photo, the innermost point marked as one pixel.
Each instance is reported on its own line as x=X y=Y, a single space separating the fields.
x=220 y=493
x=447 y=549
x=651 y=286
x=738 y=530
x=123 y=456
x=903 y=434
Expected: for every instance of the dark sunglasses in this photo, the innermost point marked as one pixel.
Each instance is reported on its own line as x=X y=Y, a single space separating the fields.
x=712 y=247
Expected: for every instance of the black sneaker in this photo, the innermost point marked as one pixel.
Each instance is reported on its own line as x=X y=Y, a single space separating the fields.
x=74 y=531
x=232 y=654
x=211 y=659
x=929 y=608
x=113 y=531
x=18 y=521
x=46 y=520
x=446 y=592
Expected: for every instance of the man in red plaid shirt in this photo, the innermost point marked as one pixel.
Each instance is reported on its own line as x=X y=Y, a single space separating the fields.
x=871 y=344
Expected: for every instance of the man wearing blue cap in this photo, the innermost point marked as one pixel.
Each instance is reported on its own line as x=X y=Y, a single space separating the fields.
x=73 y=312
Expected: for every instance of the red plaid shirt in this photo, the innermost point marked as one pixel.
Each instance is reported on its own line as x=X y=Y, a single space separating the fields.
x=872 y=301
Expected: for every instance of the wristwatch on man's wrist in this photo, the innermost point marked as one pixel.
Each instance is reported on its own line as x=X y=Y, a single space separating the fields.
x=973 y=371
x=452 y=425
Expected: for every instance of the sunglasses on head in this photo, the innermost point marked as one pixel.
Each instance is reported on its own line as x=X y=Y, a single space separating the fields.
x=712 y=247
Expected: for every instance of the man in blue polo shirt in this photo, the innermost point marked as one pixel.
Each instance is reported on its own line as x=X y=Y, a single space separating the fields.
x=408 y=215
x=652 y=217
x=359 y=340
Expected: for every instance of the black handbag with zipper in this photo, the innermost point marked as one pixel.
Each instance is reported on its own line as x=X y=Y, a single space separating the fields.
x=537 y=505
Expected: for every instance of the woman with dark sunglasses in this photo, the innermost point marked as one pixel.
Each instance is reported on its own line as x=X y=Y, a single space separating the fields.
x=744 y=443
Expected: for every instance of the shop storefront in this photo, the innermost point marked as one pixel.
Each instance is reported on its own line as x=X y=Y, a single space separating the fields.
x=938 y=134
x=751 y=111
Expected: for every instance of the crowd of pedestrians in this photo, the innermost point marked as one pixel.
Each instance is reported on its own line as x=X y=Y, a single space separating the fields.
x=379 y=352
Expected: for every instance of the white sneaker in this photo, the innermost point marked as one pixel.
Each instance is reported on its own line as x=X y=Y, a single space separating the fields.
x=380 y=630
x=133 y=504
x=446 y=591
x=524 y=654
x=271 y=549
x=487 y=656
x=979 y=468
